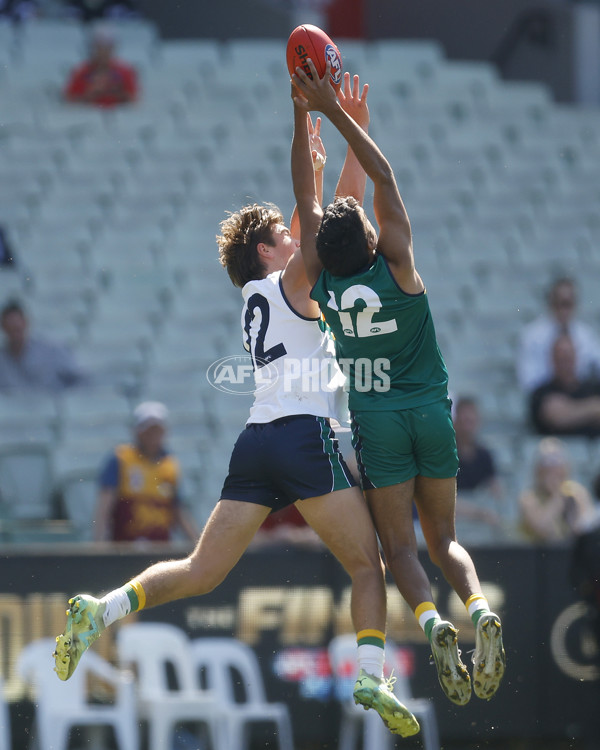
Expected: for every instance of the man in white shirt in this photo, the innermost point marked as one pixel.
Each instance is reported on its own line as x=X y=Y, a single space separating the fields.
x=534 y=363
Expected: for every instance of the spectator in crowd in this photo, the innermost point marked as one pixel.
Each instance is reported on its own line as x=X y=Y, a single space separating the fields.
x=92 y=10
x=555 y=507
x=476 y=467
x=566 y=404
x=139 y=497
x=31 y=363
x=102 y=80
x=534 y=365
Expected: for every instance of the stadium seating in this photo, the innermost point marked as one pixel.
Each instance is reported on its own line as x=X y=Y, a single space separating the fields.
x=126 y=205
x=25 y=480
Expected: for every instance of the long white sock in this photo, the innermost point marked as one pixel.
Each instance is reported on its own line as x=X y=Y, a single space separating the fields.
x=477 y=605
x=118 y=605
x=370 y=658
x=371 y=645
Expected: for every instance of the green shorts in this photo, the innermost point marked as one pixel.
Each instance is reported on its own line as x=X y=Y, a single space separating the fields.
x=395 y=446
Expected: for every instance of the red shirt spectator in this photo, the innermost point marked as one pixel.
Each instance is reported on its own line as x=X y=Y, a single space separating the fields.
x=102 y=80
x=286 y=526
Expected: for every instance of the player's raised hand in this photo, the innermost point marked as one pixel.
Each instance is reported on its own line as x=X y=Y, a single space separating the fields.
x=354 y=100
x=315 y=93
x=317 y=148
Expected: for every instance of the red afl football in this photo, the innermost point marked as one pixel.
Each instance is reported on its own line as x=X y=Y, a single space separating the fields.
x=310 y=41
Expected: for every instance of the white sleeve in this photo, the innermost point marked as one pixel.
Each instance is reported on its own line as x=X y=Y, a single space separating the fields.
x=533 y=356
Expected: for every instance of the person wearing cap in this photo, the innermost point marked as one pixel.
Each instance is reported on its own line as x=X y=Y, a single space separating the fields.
x=102 y=80
x=138 y=497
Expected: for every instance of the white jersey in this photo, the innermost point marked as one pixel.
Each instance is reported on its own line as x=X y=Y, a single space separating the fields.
x=295 y=371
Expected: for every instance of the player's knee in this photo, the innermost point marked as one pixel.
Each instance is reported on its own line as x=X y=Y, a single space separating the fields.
x=202 y=578
x=366 y=563
x=397 y=555
x=438 y=548
x=370 y=577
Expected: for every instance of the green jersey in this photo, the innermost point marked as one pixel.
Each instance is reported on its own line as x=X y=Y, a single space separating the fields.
x=385 y=339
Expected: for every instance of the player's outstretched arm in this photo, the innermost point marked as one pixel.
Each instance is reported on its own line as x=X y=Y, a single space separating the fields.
x=305 y=192
x=319 y=158
x=353 y=178
x=294 y=278
x=395 y=242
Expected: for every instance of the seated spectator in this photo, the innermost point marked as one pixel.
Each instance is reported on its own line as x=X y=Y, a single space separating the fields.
x=31 y=363
x=138 y=499
x=534 y=365
x=476 y=467
x=102 y=80
x=566 y=404
x=555 y=507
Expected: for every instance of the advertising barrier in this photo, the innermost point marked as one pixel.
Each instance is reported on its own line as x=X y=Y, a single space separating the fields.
x=289 y=604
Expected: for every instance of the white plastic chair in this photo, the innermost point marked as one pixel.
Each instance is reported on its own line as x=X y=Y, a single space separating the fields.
x=219 y=659
x=151 y=647
x=4 y=721
x=61 y=706
x=375 y=735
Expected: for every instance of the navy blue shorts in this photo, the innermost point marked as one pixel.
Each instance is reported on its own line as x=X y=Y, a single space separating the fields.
x=289 y=459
